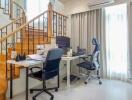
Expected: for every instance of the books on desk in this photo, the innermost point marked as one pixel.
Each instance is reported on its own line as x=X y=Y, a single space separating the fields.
x=36 y=57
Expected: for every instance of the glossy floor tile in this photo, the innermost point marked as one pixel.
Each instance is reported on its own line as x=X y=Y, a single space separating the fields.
x=109 y=90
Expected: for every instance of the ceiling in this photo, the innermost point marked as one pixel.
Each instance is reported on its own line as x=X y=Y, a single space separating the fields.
x=63 y=1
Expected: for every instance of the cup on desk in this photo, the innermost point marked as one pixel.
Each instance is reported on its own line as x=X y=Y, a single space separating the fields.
x=40 y=49
x=40 y=52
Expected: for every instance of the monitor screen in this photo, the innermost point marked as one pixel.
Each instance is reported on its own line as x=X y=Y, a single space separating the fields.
x=63 y=42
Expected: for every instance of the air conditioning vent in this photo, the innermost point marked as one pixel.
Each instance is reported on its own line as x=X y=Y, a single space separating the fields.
x=96 y=3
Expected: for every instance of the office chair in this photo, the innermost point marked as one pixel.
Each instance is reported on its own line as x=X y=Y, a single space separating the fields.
x=92 y=64
x=50 y=70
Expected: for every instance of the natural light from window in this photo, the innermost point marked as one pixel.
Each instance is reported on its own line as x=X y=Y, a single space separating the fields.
x=35 y=7
x=116 y=41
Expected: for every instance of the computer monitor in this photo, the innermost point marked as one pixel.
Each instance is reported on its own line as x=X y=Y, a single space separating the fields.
x=63 y=42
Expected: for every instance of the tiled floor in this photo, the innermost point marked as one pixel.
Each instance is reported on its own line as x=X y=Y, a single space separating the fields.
x=109 y=90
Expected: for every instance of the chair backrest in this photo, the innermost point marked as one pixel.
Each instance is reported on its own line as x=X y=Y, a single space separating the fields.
x=53 y=60
x=95 y=54
x=97 y=46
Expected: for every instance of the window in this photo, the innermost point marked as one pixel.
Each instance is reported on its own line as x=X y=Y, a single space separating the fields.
x=116 y=41
x=35 y=7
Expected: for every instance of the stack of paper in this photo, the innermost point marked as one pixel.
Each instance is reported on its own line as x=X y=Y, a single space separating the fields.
x=36 y=57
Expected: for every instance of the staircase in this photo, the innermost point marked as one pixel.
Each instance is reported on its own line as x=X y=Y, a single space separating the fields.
x=17 y=14
x=26 y=36
x=12 y=9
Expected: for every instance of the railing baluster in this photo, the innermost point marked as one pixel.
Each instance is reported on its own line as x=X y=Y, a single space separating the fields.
x=33 y=36
x=5 y=6
x=65 y=25
x=61 y=26
x=56 y=24
x=1 y=42
x=6 y=55
x=8 y=7
x=47 y=29
x=38 y=30
x=53 y=24
x=28 y=38
x=0 y=4
x=43 y=29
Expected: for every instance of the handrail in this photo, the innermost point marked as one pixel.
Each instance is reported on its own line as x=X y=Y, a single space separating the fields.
x=26 y=36
x=22 y=26
x=8 y=8
x=19 y=9
x=18 y=5
x=60 y=14
x=10 y=23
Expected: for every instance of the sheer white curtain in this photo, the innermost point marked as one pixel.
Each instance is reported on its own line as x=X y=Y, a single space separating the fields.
x=35 y=7
x=116 y=41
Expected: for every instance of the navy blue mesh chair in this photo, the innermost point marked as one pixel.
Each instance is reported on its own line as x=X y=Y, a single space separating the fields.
x=93 y=63
x=50 y=70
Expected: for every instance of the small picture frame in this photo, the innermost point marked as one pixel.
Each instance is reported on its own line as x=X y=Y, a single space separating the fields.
x=13 y=54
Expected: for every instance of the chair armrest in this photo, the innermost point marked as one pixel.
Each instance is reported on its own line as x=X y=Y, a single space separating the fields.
x=84 y=58
x=31 y=69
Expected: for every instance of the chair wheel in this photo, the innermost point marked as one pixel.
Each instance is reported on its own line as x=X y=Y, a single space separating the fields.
x=33 y=98
x=100 y=82
x=78 y=78
x=51 y=98
x=31 y=91
x=56 y=90
x=85 y=82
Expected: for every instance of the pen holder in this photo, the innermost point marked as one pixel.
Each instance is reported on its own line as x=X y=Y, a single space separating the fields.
x=20 y=57
x=13 y=55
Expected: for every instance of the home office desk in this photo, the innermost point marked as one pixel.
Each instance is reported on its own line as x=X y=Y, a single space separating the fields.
x=68 y=64
x=25 y=64
x=29 y=63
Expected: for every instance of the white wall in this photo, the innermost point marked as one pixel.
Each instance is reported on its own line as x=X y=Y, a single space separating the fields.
x=20 y=2
x=4 y=19
x=77 y=6
x=58 y=6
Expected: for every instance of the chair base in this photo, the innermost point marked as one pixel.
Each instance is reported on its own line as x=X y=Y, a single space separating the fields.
x=93 y=77
x=55 y=88
x=90 y=76
x=44 y=90
x=52 y=96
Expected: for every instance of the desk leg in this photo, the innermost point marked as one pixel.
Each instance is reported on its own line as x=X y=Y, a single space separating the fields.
x=26 y=83
x=68 y=73
x=11 y=82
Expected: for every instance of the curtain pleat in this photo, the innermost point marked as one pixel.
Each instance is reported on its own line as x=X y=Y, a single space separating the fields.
x=86 y=26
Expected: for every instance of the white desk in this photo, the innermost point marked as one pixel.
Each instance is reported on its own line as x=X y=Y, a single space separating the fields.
x=68 y=60
x=28 y=63
x=25 y=63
